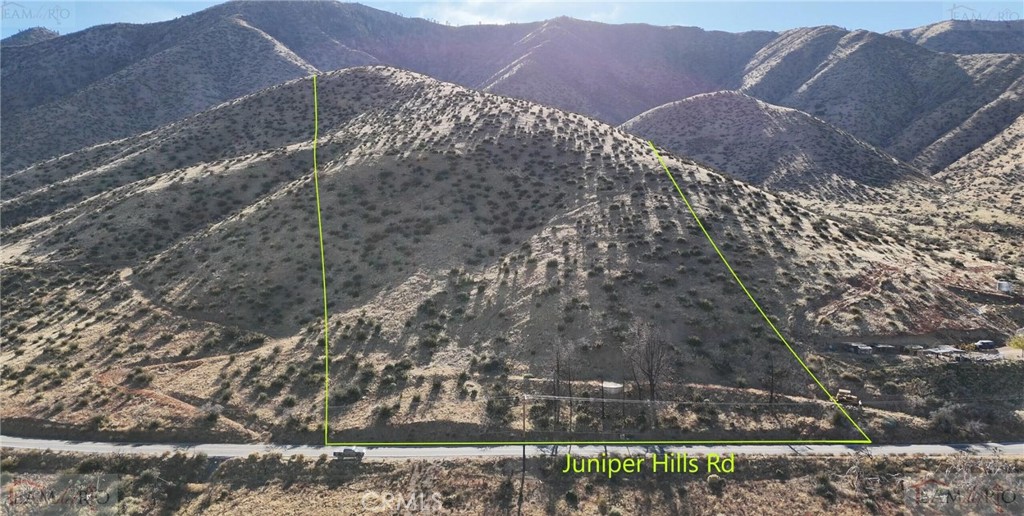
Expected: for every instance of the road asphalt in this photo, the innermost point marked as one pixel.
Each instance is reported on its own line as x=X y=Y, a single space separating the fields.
x=439 y=452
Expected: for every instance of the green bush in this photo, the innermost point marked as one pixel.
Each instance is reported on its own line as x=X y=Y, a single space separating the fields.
x=350 y=395
x=499 y=410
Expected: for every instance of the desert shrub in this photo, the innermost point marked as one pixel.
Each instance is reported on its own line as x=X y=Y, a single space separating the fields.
x=572 y=499
x=506 y=493
x=350 y=395
x=499 y=410
x=945 y=419
x=90 y=465
x=8 y=463
x=824 y=488
x=140 y=377
x=385 y=412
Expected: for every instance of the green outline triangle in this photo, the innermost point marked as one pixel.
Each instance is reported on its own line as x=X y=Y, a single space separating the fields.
x=327 y=376
x=866 y=440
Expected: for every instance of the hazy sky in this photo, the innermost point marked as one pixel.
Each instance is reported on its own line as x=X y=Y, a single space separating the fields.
x=66 y=16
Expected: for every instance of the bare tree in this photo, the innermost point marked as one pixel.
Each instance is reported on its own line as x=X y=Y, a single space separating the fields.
x=774 y=376
x=648 y=356
x=568 y=368
x=564 y=359
x=771 y=378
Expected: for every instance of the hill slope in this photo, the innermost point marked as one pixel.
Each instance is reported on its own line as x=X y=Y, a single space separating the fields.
x=906 y=99
x=779 y=148
x=613 y=72
x=469 y=239
x=996 y=168
x=967 y=36
x=225 y=61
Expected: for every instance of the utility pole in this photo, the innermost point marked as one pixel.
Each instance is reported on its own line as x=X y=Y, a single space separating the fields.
x=523 y=397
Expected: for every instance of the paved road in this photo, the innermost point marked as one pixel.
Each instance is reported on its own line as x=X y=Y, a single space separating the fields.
x=243 y=450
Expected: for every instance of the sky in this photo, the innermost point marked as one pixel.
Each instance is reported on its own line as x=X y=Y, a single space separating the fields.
x=66 y=16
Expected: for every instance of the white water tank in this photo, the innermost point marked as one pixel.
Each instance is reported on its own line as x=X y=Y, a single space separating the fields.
x=611 y=388
x=1004 y=286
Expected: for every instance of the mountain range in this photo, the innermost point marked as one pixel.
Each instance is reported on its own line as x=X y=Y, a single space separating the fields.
x=924 y=107
x=493 y=222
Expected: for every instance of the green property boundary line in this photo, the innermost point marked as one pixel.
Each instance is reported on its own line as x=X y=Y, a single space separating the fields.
x=323 y=262
x=327 y=376
x=866 y=440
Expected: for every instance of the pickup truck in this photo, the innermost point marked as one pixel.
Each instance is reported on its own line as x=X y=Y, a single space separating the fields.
x=349 y=454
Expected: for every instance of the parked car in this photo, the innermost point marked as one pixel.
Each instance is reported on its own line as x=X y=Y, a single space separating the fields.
x=349 y=454
x=984 y=344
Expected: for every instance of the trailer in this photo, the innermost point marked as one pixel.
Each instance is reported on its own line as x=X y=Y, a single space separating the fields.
x=846 y=397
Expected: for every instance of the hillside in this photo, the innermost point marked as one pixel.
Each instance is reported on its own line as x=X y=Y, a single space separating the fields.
x=225 y=60
x=778 y=148
x=987 y=195
x=973 y=205
x=907 y=99
x=471 y=242
x=967 y=36
x=993 y=175
x=28 y=37
x=924 y=107
x=613 y=72
x=247 y=46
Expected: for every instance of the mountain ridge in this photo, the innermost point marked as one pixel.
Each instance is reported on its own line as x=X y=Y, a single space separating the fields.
x=326 y=35
x=779 y=148
x=967 y=36
x=911 y=98
x=28 y=36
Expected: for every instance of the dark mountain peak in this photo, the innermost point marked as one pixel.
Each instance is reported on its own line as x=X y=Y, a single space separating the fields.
x=29 y=37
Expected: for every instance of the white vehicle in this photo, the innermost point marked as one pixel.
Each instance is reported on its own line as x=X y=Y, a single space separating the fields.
x=985 y=344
